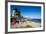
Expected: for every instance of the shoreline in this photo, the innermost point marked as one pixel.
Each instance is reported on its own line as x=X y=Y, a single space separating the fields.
x=25 y=24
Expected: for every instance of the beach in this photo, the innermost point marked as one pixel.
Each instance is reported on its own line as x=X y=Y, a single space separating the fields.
x=27 y=24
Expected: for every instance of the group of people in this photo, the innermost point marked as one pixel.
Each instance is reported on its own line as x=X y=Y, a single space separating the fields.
x=16 y=19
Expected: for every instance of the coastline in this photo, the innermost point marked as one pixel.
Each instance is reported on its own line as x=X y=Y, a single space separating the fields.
x=24 y=25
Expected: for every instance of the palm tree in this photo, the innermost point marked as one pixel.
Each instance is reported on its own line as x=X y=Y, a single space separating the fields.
x=17 y=12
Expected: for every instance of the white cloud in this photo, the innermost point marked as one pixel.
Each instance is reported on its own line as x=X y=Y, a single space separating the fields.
x=27 y=16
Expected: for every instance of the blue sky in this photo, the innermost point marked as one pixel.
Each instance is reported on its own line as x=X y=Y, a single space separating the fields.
x=28 y=11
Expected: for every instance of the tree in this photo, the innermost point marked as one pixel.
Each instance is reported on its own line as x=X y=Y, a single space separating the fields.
x=17 y=12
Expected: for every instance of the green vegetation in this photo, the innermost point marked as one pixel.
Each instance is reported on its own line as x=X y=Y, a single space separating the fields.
x=17 y=12
x=28 y=26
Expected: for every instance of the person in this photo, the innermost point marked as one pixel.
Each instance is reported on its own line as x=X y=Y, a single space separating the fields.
x=13 y=20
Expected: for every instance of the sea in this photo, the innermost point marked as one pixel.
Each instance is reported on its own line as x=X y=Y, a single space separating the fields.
x=35 y=20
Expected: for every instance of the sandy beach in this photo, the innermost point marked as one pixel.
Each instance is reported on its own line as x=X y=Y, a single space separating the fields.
x=26 y=24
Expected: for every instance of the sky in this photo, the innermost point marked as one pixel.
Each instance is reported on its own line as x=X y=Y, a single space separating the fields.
x=33 y=12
